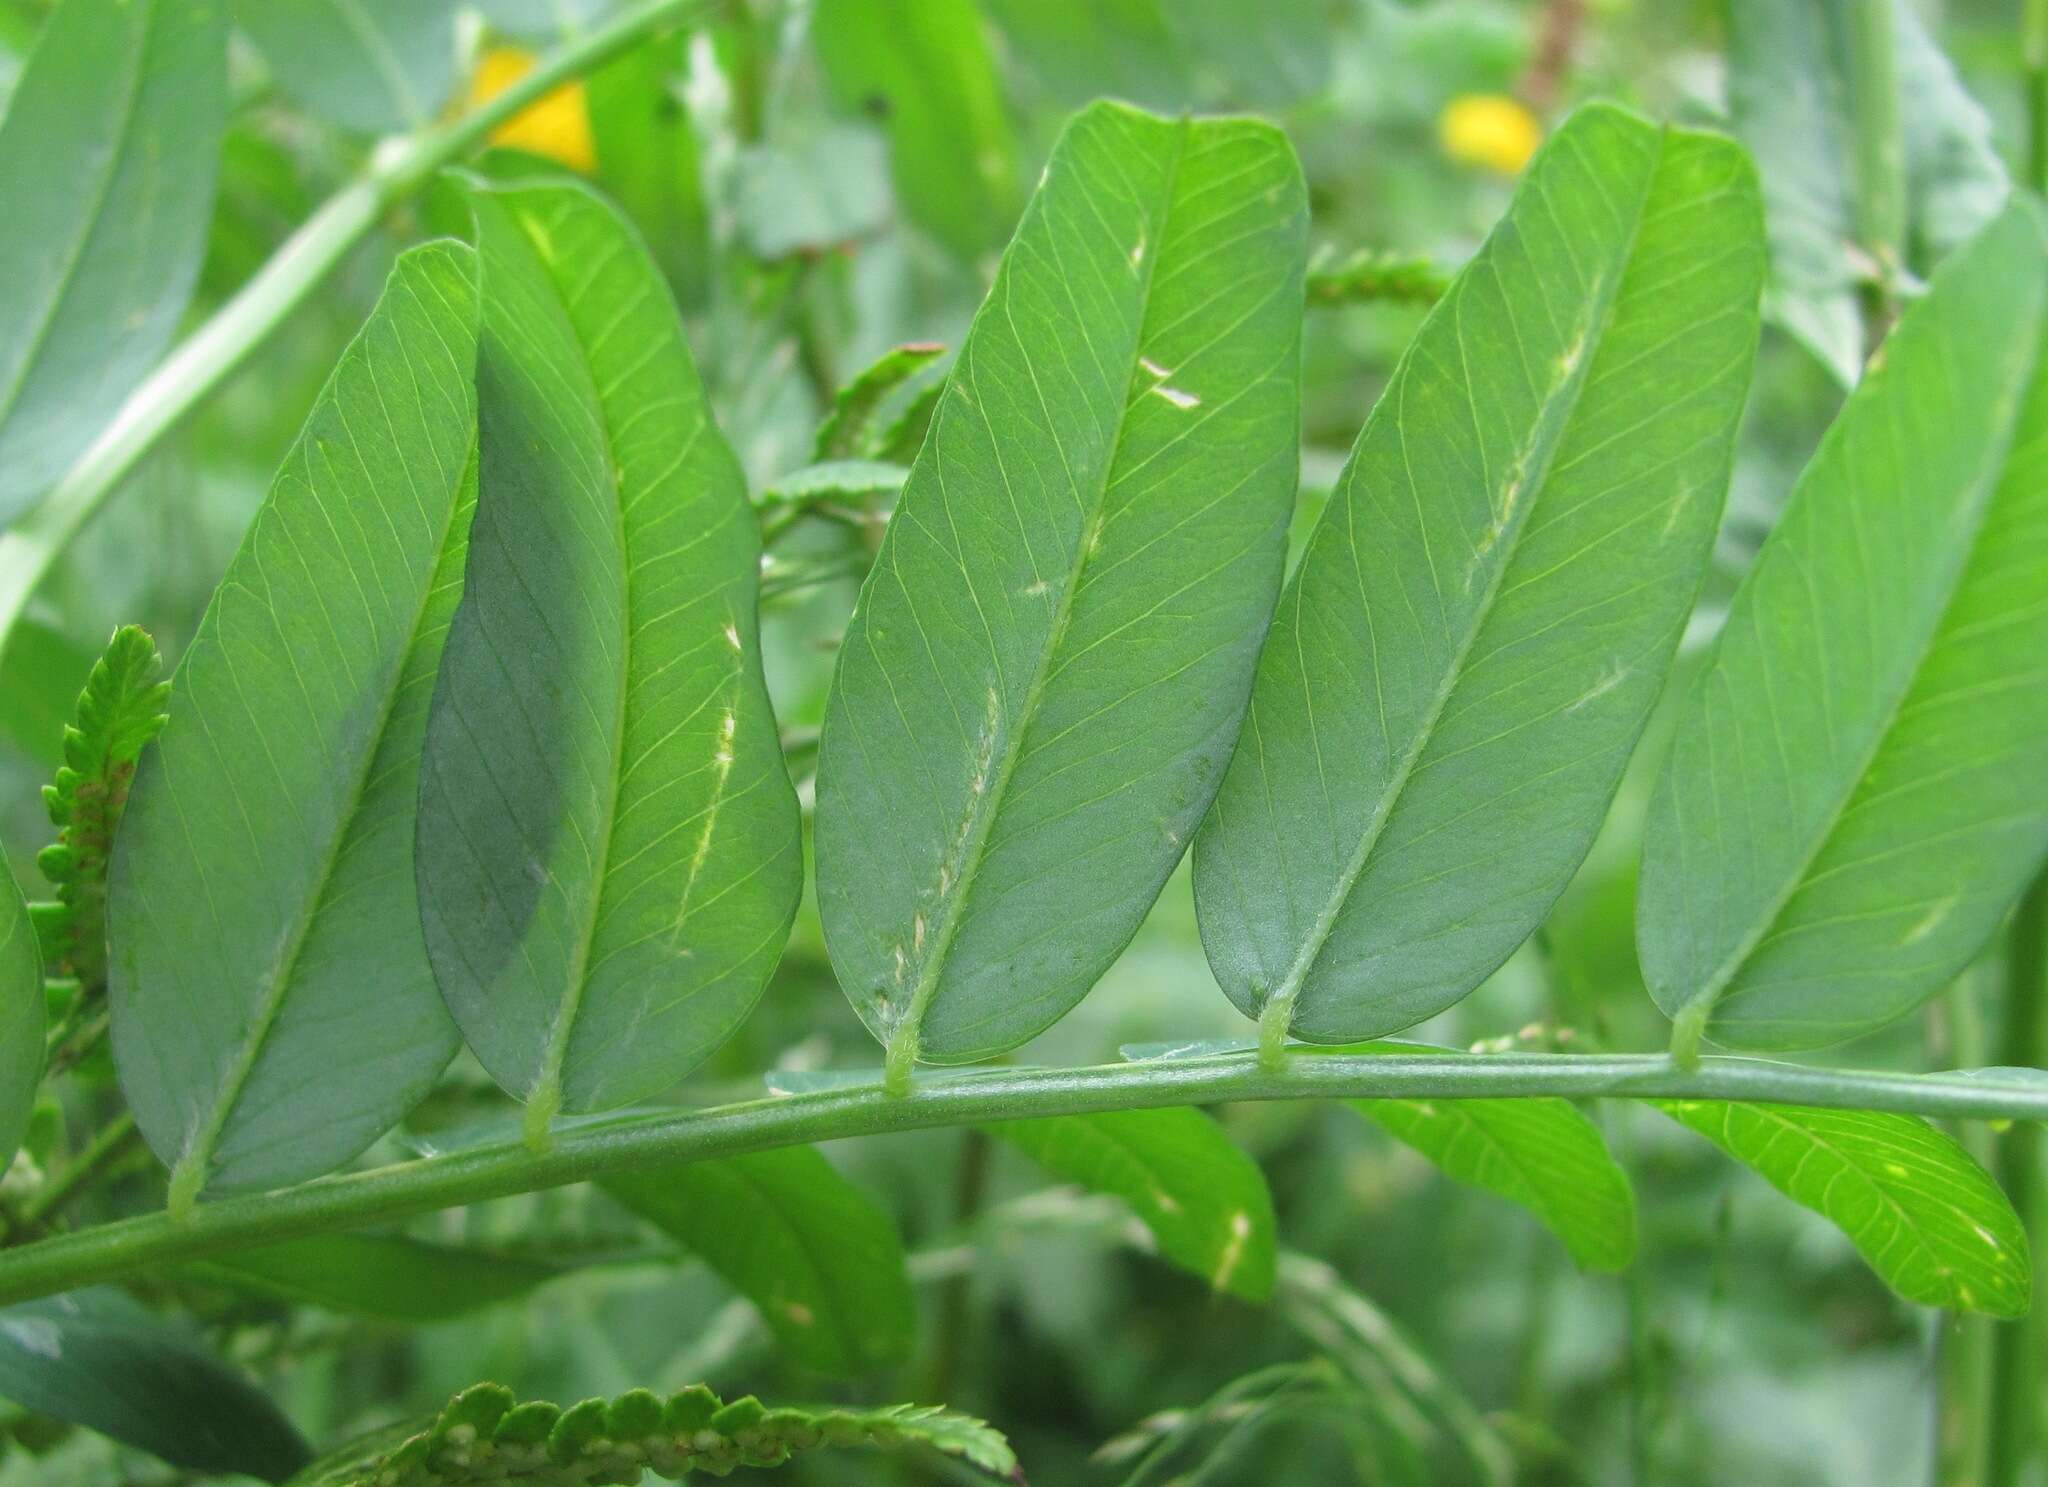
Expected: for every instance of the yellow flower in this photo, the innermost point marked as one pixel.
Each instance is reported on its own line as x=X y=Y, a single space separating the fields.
x=556 y=125
x=1490 y=131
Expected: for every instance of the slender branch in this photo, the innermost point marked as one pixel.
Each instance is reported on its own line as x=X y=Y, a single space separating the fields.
x=103 y=1150
x=2034 y=57
x=205 y=359
x=640 y=1143
x=2013 y=1385
x=1880 y=151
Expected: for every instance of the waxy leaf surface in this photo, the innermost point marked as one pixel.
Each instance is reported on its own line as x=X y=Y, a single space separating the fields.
x=609 y=855
x=1049 y=660
x=1857 y=788
x=1470 y=647
x=108 y=153
x=273 y=1008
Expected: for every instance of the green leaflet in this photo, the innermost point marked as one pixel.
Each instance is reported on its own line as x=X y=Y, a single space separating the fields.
x=23 y=1018
x=1927 y=1218
x=819 y=1259
x=1545 y=1154
x=609 y=852
x=96 y=1358
x=1049 y=660
x=1204 y=1200
x=542 y=20
x=1789 y=96
x=109 y=148
x=273 y=1007
x=854 y=429
x=647 y=159
x=1469 y=649
x=1856 y=789
x=1080 y=50
x=374 y=65
x=1541 y=1153
x=397 y=1279
x=120 y=710
x=921 y=69
x=483 y=1437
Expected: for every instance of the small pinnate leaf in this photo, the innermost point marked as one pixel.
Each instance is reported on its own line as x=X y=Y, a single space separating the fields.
x=855 y=428
x=483 y=1440
x=1919 y=1208
x=1205 y=1201
x=121 y=709
x=820 y=1260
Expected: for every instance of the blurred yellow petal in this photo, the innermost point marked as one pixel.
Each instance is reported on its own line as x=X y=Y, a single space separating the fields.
x=557 y=125
x=1490 y=131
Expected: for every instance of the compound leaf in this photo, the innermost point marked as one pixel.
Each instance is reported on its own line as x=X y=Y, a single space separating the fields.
x=1929 y=1220
x=1204 y=1200
x=273 y=1008
x=109 y=149
x=609 y=850
x=1484 y=615
x=1856 y=789
x=1050 y=657
x=819 y=1259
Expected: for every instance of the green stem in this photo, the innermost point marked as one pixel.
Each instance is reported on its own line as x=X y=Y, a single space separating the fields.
x=2014 y=1399
x=2034 y=57
x=1880 y=152
x=641 y=1143
x=206 y=358
x=104 y=1149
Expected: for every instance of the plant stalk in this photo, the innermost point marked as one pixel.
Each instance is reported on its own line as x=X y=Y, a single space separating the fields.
x=1880 y=149
x=641 y=1143
x=205 y=359
x=2034 y=59
x=2014 y=1399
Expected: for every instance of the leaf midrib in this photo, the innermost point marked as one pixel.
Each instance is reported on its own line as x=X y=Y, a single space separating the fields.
x=545 y=1098
x=1984 y=496
x=67 y=277
x=905 y=1037
x=1596 y=330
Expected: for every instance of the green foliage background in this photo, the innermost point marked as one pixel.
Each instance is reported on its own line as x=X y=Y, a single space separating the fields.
x=822 y=183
